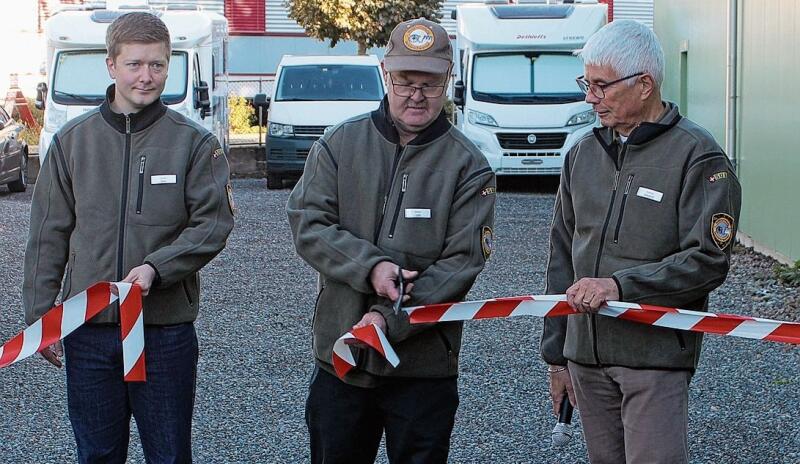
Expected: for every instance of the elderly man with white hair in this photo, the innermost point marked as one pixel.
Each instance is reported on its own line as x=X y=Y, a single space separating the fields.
x=646 y=212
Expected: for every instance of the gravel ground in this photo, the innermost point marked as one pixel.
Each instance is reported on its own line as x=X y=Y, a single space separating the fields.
x=255 y=354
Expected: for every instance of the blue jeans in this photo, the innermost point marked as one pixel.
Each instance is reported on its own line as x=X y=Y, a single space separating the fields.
x=101 y=403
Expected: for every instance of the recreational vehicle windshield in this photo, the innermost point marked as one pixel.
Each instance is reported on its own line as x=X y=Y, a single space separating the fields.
x=515 y=81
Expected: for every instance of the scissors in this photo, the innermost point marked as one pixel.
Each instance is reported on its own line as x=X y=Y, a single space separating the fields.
x=399 y=303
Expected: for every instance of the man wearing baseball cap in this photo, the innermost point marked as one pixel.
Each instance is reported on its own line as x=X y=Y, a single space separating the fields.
x=394 y=208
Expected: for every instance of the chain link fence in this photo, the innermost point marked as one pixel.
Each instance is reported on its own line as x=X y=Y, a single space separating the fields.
x=248 y=88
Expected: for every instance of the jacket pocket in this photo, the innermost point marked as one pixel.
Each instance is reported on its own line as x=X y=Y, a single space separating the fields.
x=187 y=292
x=398 y=208
x=447 y=345
x=140 y=193
x=622 y=207
x=681 y=340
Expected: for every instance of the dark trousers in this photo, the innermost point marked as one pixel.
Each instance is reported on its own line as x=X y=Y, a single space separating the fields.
x=101 y=403
x=346 y=422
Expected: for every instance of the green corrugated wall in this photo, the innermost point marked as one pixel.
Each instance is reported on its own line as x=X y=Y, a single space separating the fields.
x=768 y=129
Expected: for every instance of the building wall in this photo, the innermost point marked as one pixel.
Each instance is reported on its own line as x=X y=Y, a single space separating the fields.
x=693 y=35
x=768 y=162
x=769 y=158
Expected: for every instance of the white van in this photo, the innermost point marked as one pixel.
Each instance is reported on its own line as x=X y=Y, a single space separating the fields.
x=310 y=95
x=77 y=76
x=515 y=81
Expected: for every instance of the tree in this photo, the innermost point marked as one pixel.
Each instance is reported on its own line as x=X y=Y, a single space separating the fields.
x=367 y=22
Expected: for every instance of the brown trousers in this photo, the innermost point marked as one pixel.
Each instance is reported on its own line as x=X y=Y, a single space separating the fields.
x=633 y=416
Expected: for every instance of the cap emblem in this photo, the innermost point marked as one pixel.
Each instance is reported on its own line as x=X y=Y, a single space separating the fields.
x=418 y=38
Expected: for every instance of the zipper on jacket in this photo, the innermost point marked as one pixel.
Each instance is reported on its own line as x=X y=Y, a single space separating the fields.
x=592 y=318
x=398 y=153
x=403 y=187
x=123 y=205
x=142 y=160
x=622 y=207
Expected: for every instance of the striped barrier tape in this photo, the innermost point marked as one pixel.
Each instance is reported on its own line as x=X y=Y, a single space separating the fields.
x=343 y=360
x=63 y=319
x=556 y=305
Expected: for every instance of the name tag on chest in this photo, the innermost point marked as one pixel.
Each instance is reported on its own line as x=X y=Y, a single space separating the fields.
x=654 y=195
x=163 y=179
x=418 y=213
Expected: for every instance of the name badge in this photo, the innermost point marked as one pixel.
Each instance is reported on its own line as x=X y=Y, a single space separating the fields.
x=645 y=192
x=418 y=213
x=164 y=179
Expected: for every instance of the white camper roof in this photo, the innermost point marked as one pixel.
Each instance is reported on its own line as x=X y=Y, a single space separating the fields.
x=87 y=28
x=484 y=27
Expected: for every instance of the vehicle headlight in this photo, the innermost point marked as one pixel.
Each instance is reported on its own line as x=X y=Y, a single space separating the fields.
x=54 y=119
x=586 y=117
x=476 y=117
x=280 y=130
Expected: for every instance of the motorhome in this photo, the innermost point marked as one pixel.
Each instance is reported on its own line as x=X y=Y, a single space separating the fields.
x=312 y=94
x=78 y=78
x=515 y=86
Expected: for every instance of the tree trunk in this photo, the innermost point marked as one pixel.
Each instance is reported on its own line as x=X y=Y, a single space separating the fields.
x=362 y=48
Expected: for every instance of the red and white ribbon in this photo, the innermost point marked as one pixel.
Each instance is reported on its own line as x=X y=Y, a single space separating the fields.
x=343 y=360
x=556 y=305
x=63 y=319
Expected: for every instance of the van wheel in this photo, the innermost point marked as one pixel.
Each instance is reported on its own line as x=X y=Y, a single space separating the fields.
x=19 y=185
x=274 y=181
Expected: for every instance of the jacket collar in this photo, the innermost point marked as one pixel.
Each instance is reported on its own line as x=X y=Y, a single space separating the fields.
x=139 y=121
x=385 y=124
x=643 y=133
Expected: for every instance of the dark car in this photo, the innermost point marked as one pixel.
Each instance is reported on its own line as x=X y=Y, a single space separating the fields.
x=13 y=154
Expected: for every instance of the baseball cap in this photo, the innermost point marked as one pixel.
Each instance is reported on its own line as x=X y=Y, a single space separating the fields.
x=418 y=45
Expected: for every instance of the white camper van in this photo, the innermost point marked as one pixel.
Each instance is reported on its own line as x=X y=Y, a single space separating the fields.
x=78 y=78
x=515 y=81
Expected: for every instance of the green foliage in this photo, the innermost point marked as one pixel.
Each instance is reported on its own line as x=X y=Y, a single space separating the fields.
x=242 y=116
x=367 y=22
x=788 y=275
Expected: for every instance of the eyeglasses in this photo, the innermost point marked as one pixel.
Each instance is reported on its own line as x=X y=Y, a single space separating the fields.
x=599 y=90
x=428 y=91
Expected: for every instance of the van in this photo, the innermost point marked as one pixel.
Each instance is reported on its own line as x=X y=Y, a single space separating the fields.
x=515 y=86
x=312 y=94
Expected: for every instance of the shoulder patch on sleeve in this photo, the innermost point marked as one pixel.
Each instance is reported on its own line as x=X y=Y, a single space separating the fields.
x=722 y=229
x=718 y=176
x=218 y=152
x=488 y=191
x=487 y=241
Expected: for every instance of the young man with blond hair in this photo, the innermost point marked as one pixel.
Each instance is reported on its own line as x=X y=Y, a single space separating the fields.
x=133 y=192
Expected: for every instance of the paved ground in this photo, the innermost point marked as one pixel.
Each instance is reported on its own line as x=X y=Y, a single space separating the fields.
x=255 y=354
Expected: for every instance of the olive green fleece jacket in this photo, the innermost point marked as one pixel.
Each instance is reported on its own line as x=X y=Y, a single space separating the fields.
x=657 y=214
x=427 y=206
x=119 y=191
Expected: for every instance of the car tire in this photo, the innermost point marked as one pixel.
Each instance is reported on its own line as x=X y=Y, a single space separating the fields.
x=20 y=184
x=274 y=181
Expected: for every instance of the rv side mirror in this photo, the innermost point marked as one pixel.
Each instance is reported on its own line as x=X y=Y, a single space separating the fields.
x=201 y=100
x=41 y=95
x=453 y=14
x=261 y=100
x=458 y=93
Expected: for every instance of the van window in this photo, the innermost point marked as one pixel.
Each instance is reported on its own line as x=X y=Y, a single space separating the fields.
x=81 y=78
x=526 y=77
x=329 y=83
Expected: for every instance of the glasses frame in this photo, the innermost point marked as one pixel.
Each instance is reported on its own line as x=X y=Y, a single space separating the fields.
x=599 y=90
x=414 y=88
